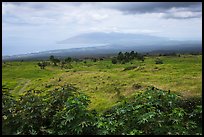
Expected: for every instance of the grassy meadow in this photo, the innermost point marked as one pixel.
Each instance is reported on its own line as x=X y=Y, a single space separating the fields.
x=107 y=84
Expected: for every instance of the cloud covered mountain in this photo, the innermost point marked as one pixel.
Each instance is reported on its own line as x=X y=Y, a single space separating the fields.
x=101 y=44
x=112 y=38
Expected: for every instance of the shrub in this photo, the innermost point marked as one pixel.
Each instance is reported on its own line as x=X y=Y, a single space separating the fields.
x=153 y=112
x=68 y=60
x=114 y=61
x=63 y=111
x=60 y=111
x=158 y=61
x=42 y=64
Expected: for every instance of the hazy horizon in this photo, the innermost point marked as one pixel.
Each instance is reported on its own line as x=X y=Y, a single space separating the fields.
x=29 y=27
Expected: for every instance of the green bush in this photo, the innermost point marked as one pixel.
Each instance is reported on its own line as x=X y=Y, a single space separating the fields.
x=63 y=111
x=154 y=112
x=114 y=61
x=158 y=61
x=60 y=111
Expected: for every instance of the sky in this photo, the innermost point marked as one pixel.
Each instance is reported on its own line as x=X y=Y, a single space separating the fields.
x=29 y=27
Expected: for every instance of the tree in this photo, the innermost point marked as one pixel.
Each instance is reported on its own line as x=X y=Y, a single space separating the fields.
x=114 y=61
x=132 y=54
x=62 y=64
x=120 y=56
x=52 y=58
x=42 y=65
x=158 y=61
x=55 y=61
x=135 y=55
x=68 y=60
x=94 y=59
x=140 y=57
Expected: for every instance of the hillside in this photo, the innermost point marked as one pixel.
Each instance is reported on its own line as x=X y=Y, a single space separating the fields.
x=101 y=79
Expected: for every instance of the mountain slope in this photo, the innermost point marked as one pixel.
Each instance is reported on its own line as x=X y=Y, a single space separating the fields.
x=89 y=44
x=111 y=38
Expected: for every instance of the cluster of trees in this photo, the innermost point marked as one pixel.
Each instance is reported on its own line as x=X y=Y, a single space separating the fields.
x=54 y=60
x=42 y=64
x=91 y=58
x=63 y=111
x=127 y=57
x=169 y=54
x=57 y=62
x=64 y=63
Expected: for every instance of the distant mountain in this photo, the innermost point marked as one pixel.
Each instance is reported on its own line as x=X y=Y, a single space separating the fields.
x=112 y=38
x=112 y=44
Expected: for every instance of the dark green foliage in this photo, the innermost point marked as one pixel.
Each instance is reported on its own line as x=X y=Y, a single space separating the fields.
x=114 y=61
x=8 y=103
x=63 y=111
x=68 y=60
x=140 y=57
x=154 y=112
x=60 y=111
x=120 y=56
x=158 y=61
x=66 y=65
x=42 y=64
x=54 y=60
x=63 y=64
x=94 y=59
x=127 y=57
x=76 y=60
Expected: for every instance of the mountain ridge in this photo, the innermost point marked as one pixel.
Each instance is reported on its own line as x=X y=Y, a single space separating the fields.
x=112 y=43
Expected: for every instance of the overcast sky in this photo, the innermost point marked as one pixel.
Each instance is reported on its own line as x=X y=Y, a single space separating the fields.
x=37 y=26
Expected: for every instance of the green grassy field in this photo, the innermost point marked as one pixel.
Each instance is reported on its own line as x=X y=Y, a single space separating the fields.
x=107 y=83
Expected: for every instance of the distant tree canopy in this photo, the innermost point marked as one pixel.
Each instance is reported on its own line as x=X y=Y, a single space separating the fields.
x=158 y=61
x=94 y=59
x=54 y=60
x=42 y=65
x=127 y=57
x=68 y=60
x=114 y=61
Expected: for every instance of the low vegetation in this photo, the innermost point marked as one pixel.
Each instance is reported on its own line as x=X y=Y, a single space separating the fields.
x=95 y=96
x=64 y=111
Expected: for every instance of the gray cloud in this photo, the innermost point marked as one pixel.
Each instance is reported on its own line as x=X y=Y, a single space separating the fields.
x=169 y=9
x=145 y=7
x=129 y=7
x=182 y=15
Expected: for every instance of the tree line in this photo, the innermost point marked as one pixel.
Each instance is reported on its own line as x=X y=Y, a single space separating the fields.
x=127 y=57
x=57 y=62
x=64 y=63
